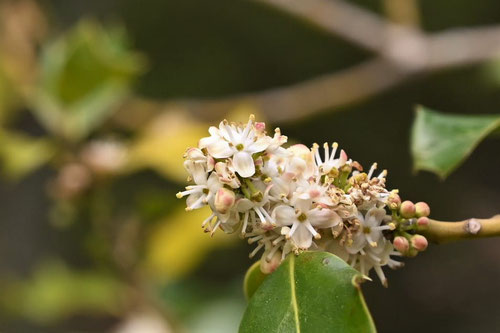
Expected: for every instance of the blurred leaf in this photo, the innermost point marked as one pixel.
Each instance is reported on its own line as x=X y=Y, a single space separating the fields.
x=84 y=75
x=164 y=142
x=441 y=142
x=21 y=154
x=308 y=293
x=178 y=244
x=55 y=292
x=253 y=279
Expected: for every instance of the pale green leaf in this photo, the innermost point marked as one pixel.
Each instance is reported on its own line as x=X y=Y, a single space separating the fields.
x=309 y=293
x=441 y=142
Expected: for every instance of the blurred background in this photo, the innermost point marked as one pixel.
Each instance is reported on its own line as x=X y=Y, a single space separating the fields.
x=99 y=100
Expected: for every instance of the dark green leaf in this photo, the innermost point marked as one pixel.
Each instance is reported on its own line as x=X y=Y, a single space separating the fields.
x=309 y=293
x=441 y=142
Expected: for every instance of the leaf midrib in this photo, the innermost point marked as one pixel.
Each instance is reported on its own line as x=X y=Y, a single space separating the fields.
x=293 y=295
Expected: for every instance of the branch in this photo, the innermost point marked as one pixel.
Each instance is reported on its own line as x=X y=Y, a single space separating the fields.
x=442 y=232
x=403 y=52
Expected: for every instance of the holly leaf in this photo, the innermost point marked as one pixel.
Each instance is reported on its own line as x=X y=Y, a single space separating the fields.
x=441 y=142
x=84 y=76
x=311 y=292
x=253 y=279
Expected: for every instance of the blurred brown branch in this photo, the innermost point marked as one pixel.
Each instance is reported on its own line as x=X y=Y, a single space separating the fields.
x=401 y=53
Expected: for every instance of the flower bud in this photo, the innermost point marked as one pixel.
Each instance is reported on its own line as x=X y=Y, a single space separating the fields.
x=422 y=209
x=419 y=242
x=268 y=264
x=423 y=222
x=394 y=201
x=401 y=244
x=407 y=209
x=224 y=200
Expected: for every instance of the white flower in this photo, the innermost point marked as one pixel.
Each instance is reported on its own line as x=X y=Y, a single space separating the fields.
x=370 y=229
x=330 y=162
x=201 y=193
x=231 y=141
x=303 y=221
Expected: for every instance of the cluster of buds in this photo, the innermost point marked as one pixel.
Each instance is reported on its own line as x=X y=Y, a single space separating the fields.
x=288 y=200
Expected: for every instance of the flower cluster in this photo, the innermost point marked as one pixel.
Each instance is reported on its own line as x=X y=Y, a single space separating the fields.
x=288 y=200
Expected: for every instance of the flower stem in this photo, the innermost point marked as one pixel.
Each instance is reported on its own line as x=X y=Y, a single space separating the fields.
x=442 y=232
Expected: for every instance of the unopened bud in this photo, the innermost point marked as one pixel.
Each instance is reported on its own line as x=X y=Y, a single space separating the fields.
x=224 y=200
x=423 y=222
x=419 y=242
x=401 y=244
x=422 y=209
x=407 y=209
x=394 y=201
x=268 y=264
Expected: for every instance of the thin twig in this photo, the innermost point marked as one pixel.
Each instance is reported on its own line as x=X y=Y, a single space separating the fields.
x=442 y=232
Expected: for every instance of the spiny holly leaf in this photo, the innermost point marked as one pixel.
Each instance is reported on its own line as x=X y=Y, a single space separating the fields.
x=441 y=142
x=308 y=293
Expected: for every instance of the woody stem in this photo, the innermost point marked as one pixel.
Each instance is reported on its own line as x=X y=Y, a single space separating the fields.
x=442 y=232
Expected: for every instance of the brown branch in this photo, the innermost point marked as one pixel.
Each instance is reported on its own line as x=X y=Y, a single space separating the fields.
x=402 y=52
x=442 y=232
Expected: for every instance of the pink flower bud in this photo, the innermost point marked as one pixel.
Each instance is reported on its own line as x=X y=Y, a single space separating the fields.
x=269 y=264
x=224 y=200
x=407 y=209
x=394 y=201
x=401 y=244
x=423 y=222
x=419 y=242
x=422 y=209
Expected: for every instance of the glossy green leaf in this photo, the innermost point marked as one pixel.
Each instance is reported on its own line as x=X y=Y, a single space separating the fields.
x=441 y=142
x=253 y=279
x=85 y=74
x=309 y=293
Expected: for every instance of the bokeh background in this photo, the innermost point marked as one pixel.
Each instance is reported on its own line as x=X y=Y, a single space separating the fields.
x=92 y=238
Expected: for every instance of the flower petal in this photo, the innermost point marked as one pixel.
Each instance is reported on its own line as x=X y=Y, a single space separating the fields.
x=260 y=145
x=283 y=215
x=219 y=149
x=323 y=218
x=302 y=237
x=374 y=217
x=243 y=164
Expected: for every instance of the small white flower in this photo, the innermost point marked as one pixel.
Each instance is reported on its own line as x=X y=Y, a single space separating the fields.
x=330 y=162
x=201 y=193
x=303 y=221
x=230 y=141
x=370 y=229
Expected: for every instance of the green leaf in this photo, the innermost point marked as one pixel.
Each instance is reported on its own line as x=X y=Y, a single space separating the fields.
x=309 y=293
x=441 y=142
x=21 y=154
x=253 y=279
x=85 y=74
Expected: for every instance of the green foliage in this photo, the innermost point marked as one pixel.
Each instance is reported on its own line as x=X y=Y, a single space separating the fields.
x=55 y=292
x=253 y=279
x=21 y=154
x=312 y=292
x=84 y=75
x=441 y=142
